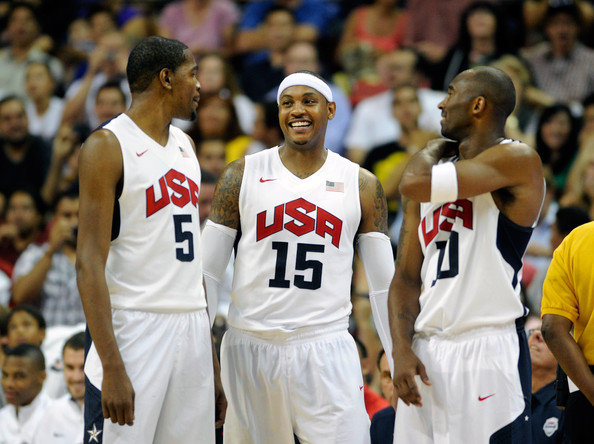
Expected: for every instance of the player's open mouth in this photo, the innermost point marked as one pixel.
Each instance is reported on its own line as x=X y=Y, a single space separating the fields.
x=300 y=124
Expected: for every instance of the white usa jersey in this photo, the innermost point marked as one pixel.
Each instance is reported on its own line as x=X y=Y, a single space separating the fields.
x=472 y=266
x=294 y=259
x=154 y=261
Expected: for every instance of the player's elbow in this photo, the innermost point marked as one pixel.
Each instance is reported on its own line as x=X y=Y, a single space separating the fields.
x=411 y=188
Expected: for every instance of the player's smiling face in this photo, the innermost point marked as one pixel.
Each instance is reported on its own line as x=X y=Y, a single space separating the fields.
x=303 y=115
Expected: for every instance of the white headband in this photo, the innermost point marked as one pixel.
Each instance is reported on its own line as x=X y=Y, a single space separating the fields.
x=304 y=79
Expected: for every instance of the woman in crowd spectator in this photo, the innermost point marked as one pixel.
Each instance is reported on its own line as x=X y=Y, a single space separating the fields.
x=216 y=75
x=557 y=141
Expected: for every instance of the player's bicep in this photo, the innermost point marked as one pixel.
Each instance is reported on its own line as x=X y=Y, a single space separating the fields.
x=374 y=208
x=225 y=205
x=501 y=166
x=100 y=170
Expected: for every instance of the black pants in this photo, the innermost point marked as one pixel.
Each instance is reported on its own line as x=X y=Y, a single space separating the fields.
x=579 y=418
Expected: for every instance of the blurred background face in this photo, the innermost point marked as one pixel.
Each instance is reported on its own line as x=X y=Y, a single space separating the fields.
x=211 y=74
x=38 y=82
x=279 y=28
x=14 y=125
x=556 y=131
x=21 y=211
x=385 y=378
x=22 y=27
x=67 y=213
x=562 y=31
x=481 y=24
x=397 y=68
x=24 y=329
x=299 y=57
x=406 y=107
x=21 y=381
x=74 y=375
x=214 y=117
x=109 y=103
x=212 y=156
x=205 y=200
x=540 y=354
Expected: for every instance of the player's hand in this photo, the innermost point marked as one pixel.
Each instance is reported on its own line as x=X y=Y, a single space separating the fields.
x=406 y=366
x=60 y=232
x=220 y=402
x=117 y=397
x=442 y=148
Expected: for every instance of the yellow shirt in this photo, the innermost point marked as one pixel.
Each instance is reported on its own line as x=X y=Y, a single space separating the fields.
x=568 y=289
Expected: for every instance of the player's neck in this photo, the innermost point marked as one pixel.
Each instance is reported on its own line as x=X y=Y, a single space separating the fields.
x=151 y=119
x=303 y=163
x=475 y=144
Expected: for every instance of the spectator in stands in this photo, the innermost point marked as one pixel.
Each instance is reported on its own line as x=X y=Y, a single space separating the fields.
x=208 y=182
x=203 y=25
x=217 y=118
x=562 y=66
x=373 y=122
x=557 y=142
x=23 y=373
x=313 y=18
x=382 y=423
x=267 y=132
x=109 y=102
x=482 y=38
x=566 y=219
x=23 y=224
x=25 y=325
x=44 y=108
x=24 y=158
x=216 y=75
x=211 y=155
x=64 y=421
x=547 y=419
x=45 y=275
x=260 y=76
x=107 y=62
x=581 y=190
x=22 y=31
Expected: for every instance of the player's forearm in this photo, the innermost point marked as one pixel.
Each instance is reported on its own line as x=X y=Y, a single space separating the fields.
x=571 y=359
x=97 y=307
x=403 y=309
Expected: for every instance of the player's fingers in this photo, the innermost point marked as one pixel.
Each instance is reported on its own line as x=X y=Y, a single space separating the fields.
x=423 y=374
x=105 y=410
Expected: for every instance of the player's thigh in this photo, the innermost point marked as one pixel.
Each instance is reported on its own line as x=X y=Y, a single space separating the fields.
x=326 y=391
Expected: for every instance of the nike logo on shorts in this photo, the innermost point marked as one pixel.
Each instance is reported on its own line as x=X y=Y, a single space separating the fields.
x=262 y=180
x=486 y=397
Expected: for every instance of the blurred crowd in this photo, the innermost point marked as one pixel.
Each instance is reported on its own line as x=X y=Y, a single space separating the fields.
x=388 y=63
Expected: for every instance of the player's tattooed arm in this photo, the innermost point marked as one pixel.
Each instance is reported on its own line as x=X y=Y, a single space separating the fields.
x=374 y=208
x=225 y=205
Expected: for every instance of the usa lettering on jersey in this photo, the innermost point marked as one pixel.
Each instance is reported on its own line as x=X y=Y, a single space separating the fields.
x=183 y=191
x=305 y=217
x=444 y=217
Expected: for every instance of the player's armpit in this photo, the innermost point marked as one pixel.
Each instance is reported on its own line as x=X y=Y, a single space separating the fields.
x=225 y=205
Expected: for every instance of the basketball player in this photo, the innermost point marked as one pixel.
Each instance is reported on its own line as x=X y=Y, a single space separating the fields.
x=149 y=367
x=463 y=368
x=289 y=365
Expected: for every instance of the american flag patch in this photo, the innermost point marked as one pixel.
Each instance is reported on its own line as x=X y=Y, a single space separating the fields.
x=335 y=186
x=183 y=152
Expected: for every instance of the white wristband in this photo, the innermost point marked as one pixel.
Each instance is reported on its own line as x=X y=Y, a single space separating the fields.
x=444 y=183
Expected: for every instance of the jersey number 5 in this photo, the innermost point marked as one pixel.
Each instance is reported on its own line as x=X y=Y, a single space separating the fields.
x=301 y=264
x=182 y=236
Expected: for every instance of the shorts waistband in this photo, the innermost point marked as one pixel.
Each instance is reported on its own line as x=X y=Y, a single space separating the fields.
x=296 y=336
x=502 y=329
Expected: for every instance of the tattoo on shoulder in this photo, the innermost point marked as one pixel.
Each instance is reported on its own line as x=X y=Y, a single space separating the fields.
x=381 y=208
x=225 y=205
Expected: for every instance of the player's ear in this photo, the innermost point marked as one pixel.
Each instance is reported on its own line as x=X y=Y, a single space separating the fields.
x=165 y=76
x=331 y=110
x=479 y=105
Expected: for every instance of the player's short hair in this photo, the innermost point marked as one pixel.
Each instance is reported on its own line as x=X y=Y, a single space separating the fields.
x=29 y=351
x=31 y=310
x=75 y=342
x=150 y=56
x=497 y=87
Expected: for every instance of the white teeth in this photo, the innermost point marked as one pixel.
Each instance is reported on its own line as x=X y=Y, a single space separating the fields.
x=299 y=124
